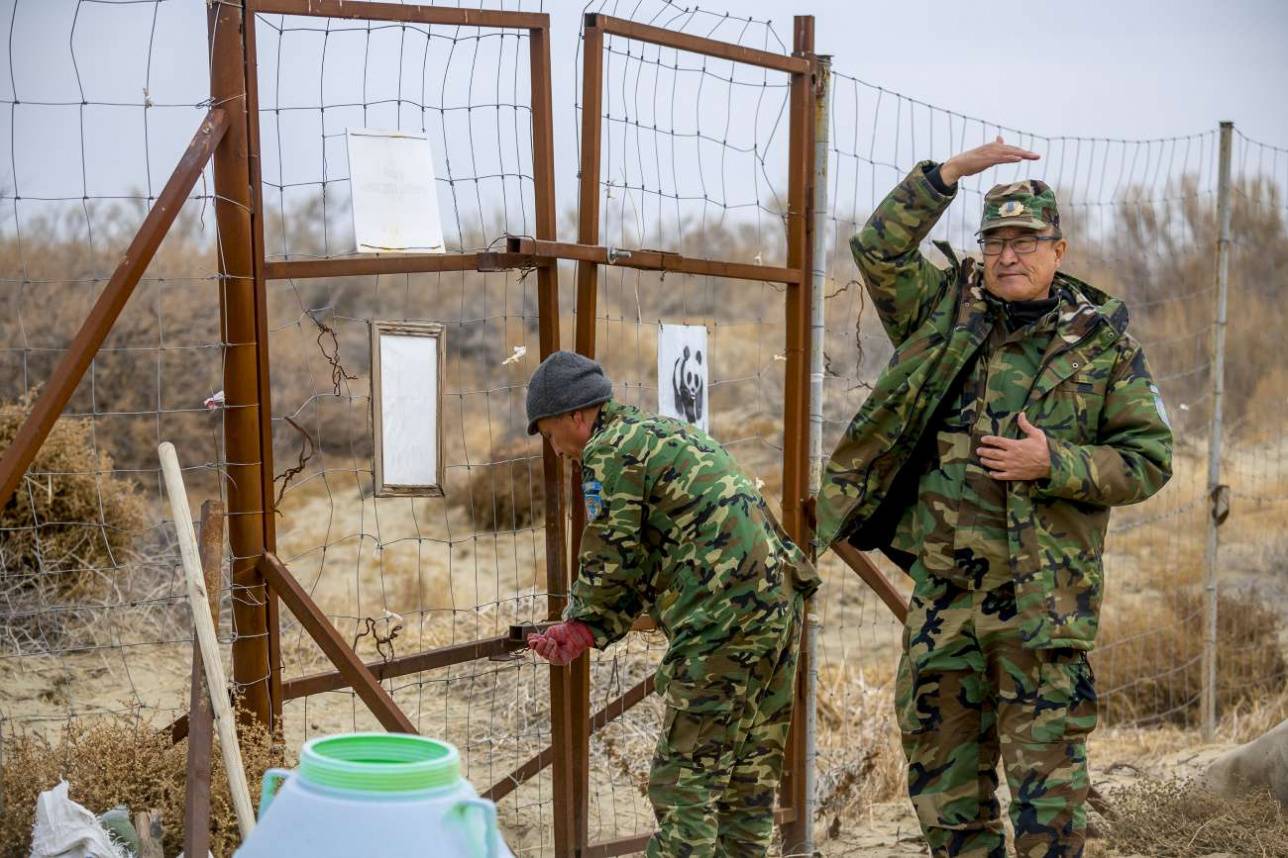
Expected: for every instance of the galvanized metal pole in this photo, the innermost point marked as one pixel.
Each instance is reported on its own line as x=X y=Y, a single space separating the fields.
x=818 y=289
x=1216 y=492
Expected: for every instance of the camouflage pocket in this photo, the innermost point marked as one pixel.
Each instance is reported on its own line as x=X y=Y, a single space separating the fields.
x=699 y=716
x=1066 y=706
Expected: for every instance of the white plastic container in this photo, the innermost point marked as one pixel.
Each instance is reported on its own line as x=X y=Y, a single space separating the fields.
x=383 y=795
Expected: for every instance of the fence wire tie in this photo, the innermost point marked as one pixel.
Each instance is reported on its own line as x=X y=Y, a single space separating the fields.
x=393 y=624
x=307 y=449
x=1220 y=498
x=338 y=373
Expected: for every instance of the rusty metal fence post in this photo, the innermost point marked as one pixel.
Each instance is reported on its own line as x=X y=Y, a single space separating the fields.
x=796 y=405
x=248 y=446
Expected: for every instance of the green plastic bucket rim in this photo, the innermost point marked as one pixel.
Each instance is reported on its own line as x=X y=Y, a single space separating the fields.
x=379 y=762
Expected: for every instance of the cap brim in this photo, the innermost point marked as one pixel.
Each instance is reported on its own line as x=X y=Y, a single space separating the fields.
x=1021 y=222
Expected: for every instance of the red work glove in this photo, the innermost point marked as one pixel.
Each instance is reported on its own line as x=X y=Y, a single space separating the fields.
x=562 y=643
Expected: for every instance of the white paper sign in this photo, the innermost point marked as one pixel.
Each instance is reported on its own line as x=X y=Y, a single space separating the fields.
x=407 y=367
x=682 y=371
x=395 y=198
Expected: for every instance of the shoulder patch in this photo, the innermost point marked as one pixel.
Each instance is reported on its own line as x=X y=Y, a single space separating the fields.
x=593 y=493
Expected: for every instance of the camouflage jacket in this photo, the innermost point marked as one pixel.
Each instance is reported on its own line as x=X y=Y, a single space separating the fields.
x=1093 y=396
x=674 y=527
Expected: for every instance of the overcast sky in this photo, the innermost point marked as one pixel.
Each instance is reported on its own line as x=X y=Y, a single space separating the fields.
x=1097 y=68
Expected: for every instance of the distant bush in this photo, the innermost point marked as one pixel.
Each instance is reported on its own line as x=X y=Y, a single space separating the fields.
x=1149 y=666
x=509 y=493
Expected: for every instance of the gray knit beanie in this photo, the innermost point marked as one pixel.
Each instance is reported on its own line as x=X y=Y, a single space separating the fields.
x=565 y=381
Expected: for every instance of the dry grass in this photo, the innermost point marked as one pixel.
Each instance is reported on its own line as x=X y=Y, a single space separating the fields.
x=1149 y=663
x=1167 y=818
x=124 y=761
x=861 y=760
x=65 y=532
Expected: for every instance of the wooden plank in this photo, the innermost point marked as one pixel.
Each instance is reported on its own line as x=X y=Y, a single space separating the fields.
x=203 y=624
x=58 y=390
x=200 y=722
x=333 y=646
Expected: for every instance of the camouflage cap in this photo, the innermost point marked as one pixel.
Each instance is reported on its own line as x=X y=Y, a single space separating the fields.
x=1029 y=204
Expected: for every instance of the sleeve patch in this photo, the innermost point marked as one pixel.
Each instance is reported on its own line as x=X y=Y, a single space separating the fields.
x=593 y=492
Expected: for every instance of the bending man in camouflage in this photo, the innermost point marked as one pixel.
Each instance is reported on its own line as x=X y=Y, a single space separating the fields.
x=673 y=527
x=1015 y=412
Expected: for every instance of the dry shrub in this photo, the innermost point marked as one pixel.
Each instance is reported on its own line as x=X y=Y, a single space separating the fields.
x=861 y=760
x=121 y=761
x=508 y=493
x=1181 y=818
x=1149 y=666
x=63 y=530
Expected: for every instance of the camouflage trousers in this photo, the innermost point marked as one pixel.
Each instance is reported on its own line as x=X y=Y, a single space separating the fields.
x=969 y=693
x=720 y=753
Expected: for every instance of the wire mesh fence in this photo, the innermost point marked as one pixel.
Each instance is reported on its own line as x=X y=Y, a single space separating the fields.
x=695 y=159
x=92 y=610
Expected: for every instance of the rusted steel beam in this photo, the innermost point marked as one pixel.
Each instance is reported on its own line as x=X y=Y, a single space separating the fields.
x=588 y=254
x=247 y=452
x=416 y=663
x=411 y=263
x=578 y=673
x=58 y=390
x=614 y=710
x=439 y=15
x=561 y=688
x=324 y=634
x=264 y=377
x=697 y=44
x=872 y=576
x=800 y=194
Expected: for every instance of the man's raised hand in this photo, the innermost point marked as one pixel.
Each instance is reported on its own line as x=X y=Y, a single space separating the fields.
x=980 y=158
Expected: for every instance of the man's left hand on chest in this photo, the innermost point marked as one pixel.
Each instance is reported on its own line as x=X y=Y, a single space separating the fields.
x=1026 y=458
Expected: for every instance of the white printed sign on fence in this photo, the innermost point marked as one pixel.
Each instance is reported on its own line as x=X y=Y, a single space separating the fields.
x=683 y=369
x=407 y=376
x=395 y=197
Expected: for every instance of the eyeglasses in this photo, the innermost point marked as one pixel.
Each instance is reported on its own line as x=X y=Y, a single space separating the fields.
x=1022 y=245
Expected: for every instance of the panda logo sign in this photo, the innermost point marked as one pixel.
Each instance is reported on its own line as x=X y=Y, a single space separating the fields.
x=683 y=367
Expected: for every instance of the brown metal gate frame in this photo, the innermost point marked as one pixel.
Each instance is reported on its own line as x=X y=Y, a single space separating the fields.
x=230 y=136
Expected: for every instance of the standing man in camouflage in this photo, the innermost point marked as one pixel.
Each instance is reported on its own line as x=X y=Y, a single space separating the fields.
x=674 y=528
x=1015 y=413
